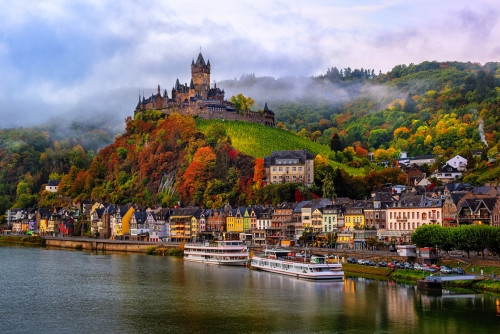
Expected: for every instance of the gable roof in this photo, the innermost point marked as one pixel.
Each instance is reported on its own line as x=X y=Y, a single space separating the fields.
x=53 y=183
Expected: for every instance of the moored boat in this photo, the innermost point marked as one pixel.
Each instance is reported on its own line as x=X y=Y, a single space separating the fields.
x=226 y=252
x=314 y=267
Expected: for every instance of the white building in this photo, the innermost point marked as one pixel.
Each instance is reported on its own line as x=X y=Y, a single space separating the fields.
x=458 y=162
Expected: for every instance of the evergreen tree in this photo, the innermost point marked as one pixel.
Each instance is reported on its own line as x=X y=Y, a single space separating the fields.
x=335 y=143
x=410 y=105
x=484 y=156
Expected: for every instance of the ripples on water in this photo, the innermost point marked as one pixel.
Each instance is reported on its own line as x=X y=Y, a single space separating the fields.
x=57 y=291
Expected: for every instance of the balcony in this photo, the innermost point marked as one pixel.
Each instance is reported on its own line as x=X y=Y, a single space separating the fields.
x=474 y=217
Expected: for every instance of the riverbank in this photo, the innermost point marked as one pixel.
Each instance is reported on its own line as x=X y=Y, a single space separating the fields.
x=22 y=240
x=412 y=276
x=94 y=245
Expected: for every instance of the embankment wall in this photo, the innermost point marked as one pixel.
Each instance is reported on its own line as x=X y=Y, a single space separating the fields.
x=99 y=245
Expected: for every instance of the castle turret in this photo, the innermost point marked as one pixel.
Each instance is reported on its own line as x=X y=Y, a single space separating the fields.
x=200 y=75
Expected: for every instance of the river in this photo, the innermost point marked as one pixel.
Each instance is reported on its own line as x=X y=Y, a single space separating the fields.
x=61 y=291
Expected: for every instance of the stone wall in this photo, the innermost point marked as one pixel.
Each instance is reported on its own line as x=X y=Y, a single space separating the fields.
x=100 y=245
x=205 y=113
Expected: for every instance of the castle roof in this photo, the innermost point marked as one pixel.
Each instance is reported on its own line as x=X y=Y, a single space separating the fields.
x=200 y=62
x=267 y=110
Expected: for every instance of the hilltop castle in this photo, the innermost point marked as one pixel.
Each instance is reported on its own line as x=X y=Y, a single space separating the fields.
x=199 y=99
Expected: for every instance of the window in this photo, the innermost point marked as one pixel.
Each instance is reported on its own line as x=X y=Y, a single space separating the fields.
x=288 y=169
x=274 y=169
x=418 y=215
x=438 y=215
x=280 y=169
x=390 y=215
x=300 y=169
x=294 y=169
x=424 y=216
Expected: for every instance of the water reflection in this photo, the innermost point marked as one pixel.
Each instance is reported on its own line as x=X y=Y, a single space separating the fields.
x=74 y=291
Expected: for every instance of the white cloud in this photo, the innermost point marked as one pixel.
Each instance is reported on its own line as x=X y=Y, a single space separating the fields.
x=61 y=52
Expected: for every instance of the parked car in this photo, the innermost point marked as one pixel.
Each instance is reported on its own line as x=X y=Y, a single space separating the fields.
x=391 y=265
x=408 y=266
x=370 y=263
x=430 y=269
x=445 y=270
x=351 y=260
x=435 y=266
x=382 y=264
x=458 y=271
x=361 y=261
x=392 y=248
x=417 y=266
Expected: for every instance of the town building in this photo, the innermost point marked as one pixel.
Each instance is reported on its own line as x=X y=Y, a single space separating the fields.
x=447 y=174
x=290 y=166
x=52 y=186
x=458 y=162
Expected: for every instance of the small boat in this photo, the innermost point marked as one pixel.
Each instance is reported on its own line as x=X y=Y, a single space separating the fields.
x=305 y=266
x=226 y=253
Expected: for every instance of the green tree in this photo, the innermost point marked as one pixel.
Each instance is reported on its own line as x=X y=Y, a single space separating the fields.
x=328 y=188
x=378 y=137
x=242 y=103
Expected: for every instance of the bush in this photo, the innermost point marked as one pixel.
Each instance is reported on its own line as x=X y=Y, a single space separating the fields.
x=175 y=252
x=151 y=250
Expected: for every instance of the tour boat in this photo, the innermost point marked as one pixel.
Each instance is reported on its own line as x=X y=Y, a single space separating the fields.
x=226 y=253
x=313 y=267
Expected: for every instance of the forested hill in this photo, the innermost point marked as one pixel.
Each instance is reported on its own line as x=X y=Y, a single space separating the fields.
x=442 y=108
x=432 y=107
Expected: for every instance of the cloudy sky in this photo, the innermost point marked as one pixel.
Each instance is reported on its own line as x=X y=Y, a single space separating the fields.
x=83 y=57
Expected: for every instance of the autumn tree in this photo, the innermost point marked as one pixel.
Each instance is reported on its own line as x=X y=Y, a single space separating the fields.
x=259 y=173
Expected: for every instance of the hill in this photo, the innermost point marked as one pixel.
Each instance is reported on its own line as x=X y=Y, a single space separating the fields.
x=258 y=141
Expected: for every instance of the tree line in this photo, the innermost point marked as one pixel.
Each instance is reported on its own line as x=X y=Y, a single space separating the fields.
x=466 y=238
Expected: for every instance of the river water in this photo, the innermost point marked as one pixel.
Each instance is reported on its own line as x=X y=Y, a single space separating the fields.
x=60 y=291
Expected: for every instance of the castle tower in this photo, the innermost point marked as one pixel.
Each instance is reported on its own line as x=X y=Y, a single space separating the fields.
x=200 y=76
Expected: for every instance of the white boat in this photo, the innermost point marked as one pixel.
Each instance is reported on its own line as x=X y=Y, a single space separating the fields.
x=315 y=267
x=226 y=253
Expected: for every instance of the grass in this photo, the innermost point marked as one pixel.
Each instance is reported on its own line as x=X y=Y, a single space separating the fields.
x=368 y=270
x=259 y=141
x=409 y=275
x=487 y=270
x=22 y=240
x=489 y=285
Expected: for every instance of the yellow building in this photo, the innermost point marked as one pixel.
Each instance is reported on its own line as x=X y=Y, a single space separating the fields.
x=123 y=227
x=354 y=216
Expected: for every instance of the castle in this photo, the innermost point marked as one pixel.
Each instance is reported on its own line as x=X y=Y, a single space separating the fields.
x=199 y=99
